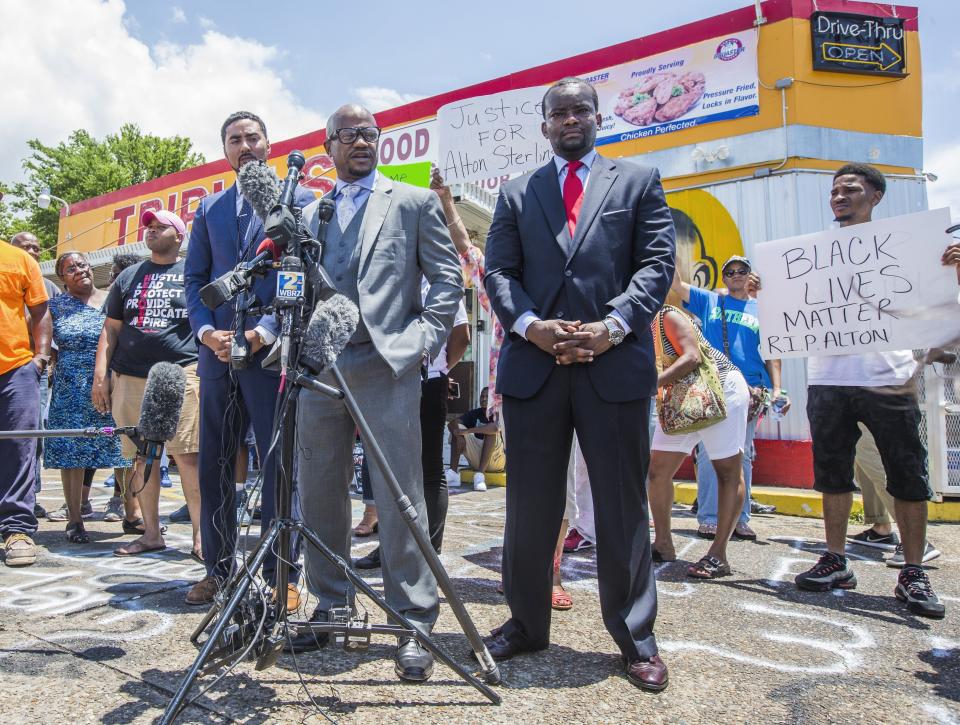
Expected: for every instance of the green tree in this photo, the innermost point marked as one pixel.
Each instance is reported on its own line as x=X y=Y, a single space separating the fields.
x=83 y=167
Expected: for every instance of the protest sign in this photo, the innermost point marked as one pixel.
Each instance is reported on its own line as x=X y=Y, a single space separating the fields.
x=863 y=288
x=417 y=174
x=492 y=135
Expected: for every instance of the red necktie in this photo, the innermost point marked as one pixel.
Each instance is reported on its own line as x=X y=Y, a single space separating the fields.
x=572 y=194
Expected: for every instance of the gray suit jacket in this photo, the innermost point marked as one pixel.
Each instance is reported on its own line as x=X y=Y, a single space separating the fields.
x=404 y=237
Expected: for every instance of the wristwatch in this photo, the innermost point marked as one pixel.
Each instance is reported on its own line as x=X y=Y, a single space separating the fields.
x=45 y=359
x=614 y=330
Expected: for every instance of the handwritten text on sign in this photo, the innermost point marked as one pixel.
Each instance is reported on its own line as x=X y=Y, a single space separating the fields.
x=864 y=288
x=492 y=135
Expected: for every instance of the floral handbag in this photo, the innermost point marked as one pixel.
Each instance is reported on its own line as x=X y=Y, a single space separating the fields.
x=696 y=400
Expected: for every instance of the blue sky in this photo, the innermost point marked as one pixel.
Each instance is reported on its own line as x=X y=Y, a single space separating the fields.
x=93 y=61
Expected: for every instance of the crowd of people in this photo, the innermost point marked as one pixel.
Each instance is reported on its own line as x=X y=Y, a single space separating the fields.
x=591 y=322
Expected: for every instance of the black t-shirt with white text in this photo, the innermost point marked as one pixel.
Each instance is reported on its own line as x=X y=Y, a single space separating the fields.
x=151 y=301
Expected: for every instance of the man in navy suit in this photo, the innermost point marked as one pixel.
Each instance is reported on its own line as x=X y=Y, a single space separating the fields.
x=226 y=231
x=579 y=257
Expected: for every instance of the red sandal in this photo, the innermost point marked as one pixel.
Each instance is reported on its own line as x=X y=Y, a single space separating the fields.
x=561 y=599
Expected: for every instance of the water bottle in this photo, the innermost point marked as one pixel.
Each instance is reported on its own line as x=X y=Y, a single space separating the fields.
x=776 y=407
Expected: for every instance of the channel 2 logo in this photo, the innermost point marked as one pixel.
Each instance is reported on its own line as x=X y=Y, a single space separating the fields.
x=729 y=49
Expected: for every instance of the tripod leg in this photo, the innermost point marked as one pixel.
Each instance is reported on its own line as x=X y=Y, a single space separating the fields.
x=234 y=581
x=360 y=583
x=243 y=584
x=409 y=514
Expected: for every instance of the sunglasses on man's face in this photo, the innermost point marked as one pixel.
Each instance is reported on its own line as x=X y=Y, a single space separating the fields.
x=736 y=272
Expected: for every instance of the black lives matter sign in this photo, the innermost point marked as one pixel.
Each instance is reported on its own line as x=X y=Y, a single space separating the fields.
x=858 y=44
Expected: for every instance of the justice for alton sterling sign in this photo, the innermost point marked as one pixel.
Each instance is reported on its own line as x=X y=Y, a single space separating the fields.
x=864 y=288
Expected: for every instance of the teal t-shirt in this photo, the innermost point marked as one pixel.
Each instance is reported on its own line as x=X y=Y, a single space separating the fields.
x=743 y=331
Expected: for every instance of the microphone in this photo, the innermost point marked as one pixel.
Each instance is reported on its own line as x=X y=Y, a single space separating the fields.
x=259 y=185
x=330 y=328
x=325 y=210
x=295 y=162
x=283 y=221
x=230 y=284
x=160 y=410
x=323 y=286
x=267 y=246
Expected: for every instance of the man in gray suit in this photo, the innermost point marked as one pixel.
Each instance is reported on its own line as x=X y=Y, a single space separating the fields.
x=384 y=237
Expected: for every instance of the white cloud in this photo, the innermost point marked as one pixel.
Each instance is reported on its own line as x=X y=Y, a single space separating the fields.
x=376 y=98
x=89 y=72
x=178 y=16
x=205 y=22
x=945 y=191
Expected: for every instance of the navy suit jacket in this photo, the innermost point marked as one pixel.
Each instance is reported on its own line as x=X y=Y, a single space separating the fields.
x=213 y=250
x=621 y=258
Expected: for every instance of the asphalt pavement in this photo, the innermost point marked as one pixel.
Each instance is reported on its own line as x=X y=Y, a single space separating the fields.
x=89 y=637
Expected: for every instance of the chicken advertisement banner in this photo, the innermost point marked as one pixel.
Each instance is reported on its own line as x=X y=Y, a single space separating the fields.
x=715 y=80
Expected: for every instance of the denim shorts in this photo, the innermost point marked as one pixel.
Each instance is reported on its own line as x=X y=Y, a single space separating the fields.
x=891 y=414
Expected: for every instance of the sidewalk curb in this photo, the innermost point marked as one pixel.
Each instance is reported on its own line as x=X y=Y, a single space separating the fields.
x=806 y=503
x=789 y=501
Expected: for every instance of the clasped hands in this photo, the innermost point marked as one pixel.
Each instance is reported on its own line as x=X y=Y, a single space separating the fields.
x=220 y=342
x=570 y=341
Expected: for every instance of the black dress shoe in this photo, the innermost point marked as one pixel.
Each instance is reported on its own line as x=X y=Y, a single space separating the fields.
x=412 y=663
x=501 y=648
x=650 y=674
x=306 y=640
x=370 y=561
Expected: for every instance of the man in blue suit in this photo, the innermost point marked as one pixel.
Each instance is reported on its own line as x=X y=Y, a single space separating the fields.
x=226 y=231
x=580 y=256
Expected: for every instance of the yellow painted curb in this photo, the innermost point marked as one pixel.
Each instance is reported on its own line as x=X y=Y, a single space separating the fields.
x=807 y=503
x=492 y=479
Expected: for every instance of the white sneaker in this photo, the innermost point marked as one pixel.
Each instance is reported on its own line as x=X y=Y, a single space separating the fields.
x=453 y=478
x=479 y=482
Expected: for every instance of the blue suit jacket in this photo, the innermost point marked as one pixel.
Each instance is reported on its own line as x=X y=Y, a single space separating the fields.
x=213 y=250
x=621 y=258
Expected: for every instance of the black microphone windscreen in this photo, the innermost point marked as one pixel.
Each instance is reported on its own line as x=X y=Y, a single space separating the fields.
x=162 y=401
x=259 y=185
x=330 y=329
x=296 y=160
x=325 y=210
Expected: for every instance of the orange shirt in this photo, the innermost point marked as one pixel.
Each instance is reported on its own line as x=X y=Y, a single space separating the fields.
x=20 y=284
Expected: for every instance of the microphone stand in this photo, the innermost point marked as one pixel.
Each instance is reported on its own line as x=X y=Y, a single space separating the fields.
x=132 y=432
x=242 y=627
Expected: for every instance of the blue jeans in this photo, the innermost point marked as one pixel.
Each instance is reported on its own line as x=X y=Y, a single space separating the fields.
x=19 y=410
x=42 y=423
x=707 y=480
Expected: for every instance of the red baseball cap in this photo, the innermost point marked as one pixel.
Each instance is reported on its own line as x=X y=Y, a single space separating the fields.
x=167 y=218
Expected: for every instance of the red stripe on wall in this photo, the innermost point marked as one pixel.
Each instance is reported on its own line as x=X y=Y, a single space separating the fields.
x=778 y=463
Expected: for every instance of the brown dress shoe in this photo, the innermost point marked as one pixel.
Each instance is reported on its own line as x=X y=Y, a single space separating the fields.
x=648 y=674
x=204 y=591
x=293 y=598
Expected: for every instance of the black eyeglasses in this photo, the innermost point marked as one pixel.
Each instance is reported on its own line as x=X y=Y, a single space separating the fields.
x=76 y=267
x=350 y=134
x=735 y=272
